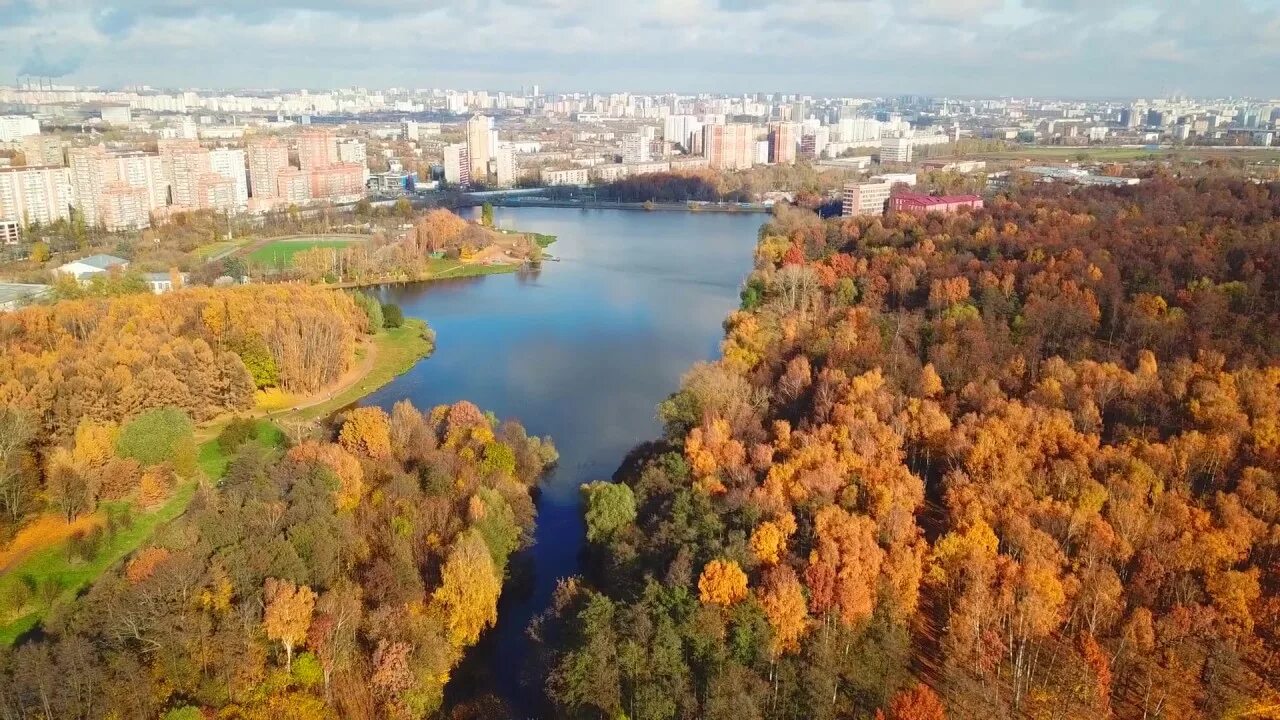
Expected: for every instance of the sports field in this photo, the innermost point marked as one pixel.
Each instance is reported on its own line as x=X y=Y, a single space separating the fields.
x=279 y=253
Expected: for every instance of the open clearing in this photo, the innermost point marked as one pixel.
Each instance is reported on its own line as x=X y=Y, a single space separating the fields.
x=279 y=253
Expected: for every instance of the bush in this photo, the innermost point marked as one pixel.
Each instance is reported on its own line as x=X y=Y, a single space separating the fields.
x=392 y=315
x=238 y=432
x=158 y=436
x=84 y=545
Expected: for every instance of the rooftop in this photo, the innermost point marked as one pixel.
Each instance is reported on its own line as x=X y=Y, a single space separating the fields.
x=101 y=261
x=13 y=292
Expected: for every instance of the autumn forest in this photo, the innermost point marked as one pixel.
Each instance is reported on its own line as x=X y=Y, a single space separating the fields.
x=1022 y=462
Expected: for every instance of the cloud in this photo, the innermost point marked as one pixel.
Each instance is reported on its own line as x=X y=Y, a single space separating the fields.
x=959 y=47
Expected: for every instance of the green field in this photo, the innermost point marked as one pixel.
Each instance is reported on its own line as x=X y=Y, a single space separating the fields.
x=279 y=253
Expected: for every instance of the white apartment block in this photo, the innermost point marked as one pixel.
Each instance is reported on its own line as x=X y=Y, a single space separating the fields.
x=504 y=165
x=15 y=127
x=457 y=164
x=575 y=176
x=31 y=195
x=896 y=150
x=230 y=164
x=635 y=148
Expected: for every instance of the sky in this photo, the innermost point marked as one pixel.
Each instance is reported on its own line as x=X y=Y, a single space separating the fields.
x=1059 y=48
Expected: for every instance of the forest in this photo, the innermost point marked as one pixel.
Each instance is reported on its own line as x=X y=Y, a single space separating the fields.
x=1016 y=463
x=78 y=374
x=341 y=576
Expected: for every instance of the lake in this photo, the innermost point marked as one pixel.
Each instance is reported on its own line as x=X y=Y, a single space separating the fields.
x=582 y=350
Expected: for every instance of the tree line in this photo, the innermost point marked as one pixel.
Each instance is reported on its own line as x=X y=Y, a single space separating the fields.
x=1020 y=462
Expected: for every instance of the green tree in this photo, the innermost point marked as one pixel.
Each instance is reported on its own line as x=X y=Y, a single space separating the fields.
x=392 y=315
x=486 y=215
x=159 y=436
x=610 y=508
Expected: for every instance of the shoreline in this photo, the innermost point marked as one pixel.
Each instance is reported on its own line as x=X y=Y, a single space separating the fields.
x=392 y=353
x=709 y=207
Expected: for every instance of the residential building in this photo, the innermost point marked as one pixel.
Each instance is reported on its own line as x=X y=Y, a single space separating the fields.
x=230 y=163
x=681 y=129
x=478 y=148
x=43 y=151
x=117 y=190
x=730 y=146
x=116 y=114
x=946 y=204
x=164 y=282
x=268 y=157
x=337 y=180
x=504 y=165
x=635 y=148
x=122 y=206
x=352 y=151
x=409 y=130
x=897 y=150
x=896 y=178
x=215 y=191
x=317 y=148
x=13 y=128
x=783 y=139
x=10 y=232
x=31 y=195
x=457 y=164
x=292 y=186
x=865 y=198
x=574 y=176
x=185 y=162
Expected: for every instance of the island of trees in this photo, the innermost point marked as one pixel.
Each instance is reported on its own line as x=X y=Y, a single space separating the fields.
x=1020 y=463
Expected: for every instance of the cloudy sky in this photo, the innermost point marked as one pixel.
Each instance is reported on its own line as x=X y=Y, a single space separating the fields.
x=1073 y=48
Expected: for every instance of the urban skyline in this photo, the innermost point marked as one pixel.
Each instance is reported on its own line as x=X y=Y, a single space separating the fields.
x=1060 y=48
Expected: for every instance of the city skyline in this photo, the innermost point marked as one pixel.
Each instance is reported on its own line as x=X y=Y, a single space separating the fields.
x=1061 y=48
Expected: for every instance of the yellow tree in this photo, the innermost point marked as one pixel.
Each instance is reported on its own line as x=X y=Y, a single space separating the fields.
x=367 y=431
x=288 y=614
x=722 y=583
x=782 y=600
x=469 y=587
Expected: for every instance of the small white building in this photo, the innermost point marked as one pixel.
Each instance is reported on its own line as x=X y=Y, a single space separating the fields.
x=163 y=282
x=79 y=269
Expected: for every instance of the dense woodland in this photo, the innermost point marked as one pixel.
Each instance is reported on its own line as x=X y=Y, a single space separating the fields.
x=341 y=576
x=1020 y=463
x=78 y=372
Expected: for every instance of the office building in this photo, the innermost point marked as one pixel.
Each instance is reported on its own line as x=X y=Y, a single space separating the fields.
x=867 y=198
x=730 y=146
x=13 y=128
x=479 y=149
x=31 y=195
x=457 y=164
x=230 y=164
x=268 y=157
x=783 y=138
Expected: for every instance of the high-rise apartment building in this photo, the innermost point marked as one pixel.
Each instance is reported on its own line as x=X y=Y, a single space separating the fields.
x=43 y=151
x=635 y=148
x=478 y=147
x=122 y=206
x=895 y=150
x=216 y=191
x=317 y=148
x=504 y=165
x=268 y=157
x=681 y=129
x=117 y=190
x=730 y=146
x=337 y=180
x=293 y=185
x=457 y=164
x=783 y=138
x=351 y=150
x=867 y=198
x=31 y=195
x=185 y=161
x=230 y=164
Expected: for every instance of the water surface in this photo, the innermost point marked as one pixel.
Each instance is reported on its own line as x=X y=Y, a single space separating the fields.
x=582 y=350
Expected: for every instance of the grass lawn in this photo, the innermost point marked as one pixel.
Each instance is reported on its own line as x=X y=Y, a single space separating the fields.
x=53 y=577
x=279 y=253
x=443 y=268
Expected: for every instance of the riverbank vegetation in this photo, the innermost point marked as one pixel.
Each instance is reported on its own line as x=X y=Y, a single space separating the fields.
x=341 y=577
x=1015 y=463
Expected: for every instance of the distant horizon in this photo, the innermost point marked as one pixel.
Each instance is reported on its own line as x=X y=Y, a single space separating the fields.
x=971 y=48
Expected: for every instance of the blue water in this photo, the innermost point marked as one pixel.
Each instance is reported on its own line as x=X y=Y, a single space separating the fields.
x=582 y=350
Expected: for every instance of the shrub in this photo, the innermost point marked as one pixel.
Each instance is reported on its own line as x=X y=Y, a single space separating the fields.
x=392 y=315
x=84 y=544
x=238 y=432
